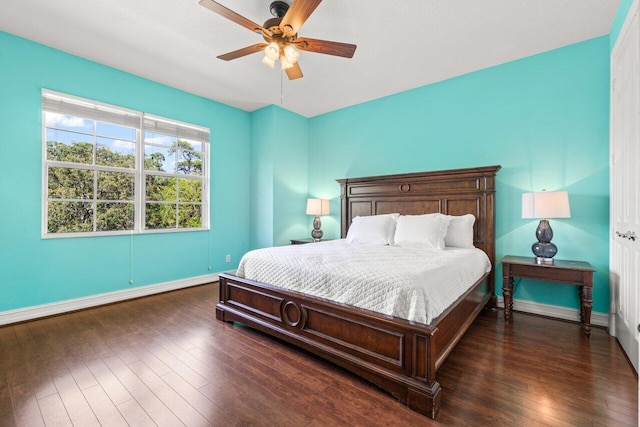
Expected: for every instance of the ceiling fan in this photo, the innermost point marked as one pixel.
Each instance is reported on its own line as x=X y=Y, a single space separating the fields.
x=281 y=35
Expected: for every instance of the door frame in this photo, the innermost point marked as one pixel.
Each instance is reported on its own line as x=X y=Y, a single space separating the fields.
x=633 y=9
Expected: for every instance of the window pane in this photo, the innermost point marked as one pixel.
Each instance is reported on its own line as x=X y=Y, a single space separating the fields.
x=189 y=162
x=159 y=139
x=159 y=159
x=69 y=183
x=193 y=145
x=66 y=146
x=159 y=215
x=115 y=152
x=160 y=189
x=115 y=131
x=189 y=216
x=68 y=217
x=190 y=190
x=64 y=121
x=114 y=216
x=115 y=186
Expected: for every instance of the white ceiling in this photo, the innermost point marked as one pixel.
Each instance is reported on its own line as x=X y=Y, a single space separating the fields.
x=402 y=44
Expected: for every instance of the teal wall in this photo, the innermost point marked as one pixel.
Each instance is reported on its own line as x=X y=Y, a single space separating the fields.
x=33 y=270
x=279 y=152
x=623 y=10
x=544 y=118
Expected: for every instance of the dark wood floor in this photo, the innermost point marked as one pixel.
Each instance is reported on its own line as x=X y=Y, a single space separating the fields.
x=166 y=360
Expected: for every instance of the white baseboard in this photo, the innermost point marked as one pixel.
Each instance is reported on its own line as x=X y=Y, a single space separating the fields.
x=37 y=311
x=597 y=318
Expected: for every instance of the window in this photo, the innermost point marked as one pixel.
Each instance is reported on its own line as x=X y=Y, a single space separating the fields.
x=107 y=170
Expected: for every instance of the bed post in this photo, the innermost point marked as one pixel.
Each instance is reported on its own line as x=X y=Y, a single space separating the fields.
x=344 y=225
x=489 y=190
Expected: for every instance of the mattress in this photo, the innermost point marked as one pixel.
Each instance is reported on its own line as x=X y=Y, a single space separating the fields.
x=410 y=282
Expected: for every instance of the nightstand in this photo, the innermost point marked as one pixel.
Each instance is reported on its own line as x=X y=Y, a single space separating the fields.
x=309 y=240
x=576 y=273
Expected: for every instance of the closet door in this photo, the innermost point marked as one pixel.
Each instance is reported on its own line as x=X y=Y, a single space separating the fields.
x=625 y=186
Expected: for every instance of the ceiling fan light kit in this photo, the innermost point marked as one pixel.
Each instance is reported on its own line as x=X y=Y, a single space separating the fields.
x=291 y=53
x=268 y=62
x=272 y=51
x=284 y=64
x=281 y=35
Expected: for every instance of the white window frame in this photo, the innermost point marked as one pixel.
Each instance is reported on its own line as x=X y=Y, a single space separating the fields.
x=61 y=103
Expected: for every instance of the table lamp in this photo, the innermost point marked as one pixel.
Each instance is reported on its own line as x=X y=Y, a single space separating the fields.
x=317 y=207
x=545 y=205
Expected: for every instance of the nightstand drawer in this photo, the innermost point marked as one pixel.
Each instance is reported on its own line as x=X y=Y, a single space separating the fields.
x=305 y=241
x=548 y=274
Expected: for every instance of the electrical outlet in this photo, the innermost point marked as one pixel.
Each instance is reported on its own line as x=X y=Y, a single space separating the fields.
x=228 y=258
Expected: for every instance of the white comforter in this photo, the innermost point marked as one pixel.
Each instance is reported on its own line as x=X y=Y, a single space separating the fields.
x=414 y=283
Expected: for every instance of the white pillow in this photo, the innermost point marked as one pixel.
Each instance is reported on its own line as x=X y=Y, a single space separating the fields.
x=460 y=231
x=375 y=229
x=428 y=230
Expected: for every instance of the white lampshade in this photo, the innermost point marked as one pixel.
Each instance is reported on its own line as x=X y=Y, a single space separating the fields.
x=317 y=207
x=284 y=63
x=546 y=204
x=272 y=51
x=291 y=54
x=268 y=62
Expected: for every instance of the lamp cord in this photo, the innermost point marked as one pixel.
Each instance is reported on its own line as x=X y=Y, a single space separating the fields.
x=281 y=94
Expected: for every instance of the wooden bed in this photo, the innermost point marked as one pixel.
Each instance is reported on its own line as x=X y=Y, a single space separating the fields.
x=399 y=356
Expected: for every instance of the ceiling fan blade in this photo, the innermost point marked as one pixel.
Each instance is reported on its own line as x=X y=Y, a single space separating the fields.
x=243 y=52
x=326 y=47
x=294 y=72
x=297 y=14
x=233 y=16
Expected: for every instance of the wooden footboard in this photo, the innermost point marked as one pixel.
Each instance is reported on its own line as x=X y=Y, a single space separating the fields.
x=399 y=356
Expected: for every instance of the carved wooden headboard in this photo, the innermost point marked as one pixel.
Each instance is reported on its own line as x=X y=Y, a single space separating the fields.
x=452 y=192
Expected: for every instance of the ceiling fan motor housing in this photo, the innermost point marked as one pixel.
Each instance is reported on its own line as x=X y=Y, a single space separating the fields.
x=279 y=8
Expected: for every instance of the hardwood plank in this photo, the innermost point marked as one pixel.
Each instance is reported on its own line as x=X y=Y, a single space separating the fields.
x=135 y=415
x=153 y=406
x=53 y=411
x=172 y=400
x=205 y=406
x=80 y=373
x=6 y=409
x=182 y=369
x=103 y=407
x=74 y=402
x=109 y=382
x=166 y=359
x=149 y=359
x=259 y=407
x=26 y=411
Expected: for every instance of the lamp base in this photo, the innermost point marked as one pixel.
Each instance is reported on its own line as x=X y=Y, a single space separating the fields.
x=543 y=249
x=317 y=233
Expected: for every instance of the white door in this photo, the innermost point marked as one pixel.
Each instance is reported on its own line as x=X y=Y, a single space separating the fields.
x=625 y=186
